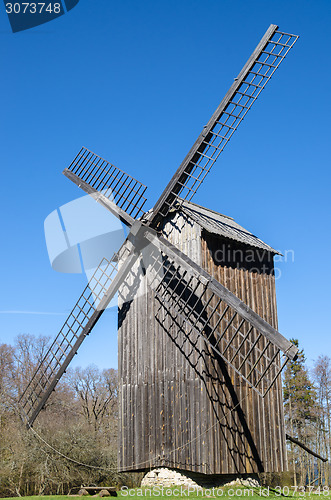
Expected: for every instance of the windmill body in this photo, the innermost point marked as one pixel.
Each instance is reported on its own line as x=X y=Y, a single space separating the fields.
x=199 y=350
x=178 y=407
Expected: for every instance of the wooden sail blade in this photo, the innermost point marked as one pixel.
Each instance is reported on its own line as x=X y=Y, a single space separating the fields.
x=114 y=189
x=241 y=96
x=191 y=299
x=96 y=296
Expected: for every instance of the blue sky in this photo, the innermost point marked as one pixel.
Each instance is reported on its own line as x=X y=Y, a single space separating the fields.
x=135 y=81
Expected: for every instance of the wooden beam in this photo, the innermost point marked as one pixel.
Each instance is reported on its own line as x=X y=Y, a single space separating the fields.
x=100 y=198
x=304 y=447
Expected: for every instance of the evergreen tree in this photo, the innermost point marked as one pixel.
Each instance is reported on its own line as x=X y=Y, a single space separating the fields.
x=299 y=395
x=301 y=414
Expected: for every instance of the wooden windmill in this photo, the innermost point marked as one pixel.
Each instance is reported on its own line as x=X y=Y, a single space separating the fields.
x=199 y=351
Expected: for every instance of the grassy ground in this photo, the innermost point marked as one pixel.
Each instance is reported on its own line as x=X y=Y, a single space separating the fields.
x=228 y=493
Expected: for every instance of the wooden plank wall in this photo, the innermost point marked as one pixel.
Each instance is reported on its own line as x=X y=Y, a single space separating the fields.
x=176 y=398
x=248 y=274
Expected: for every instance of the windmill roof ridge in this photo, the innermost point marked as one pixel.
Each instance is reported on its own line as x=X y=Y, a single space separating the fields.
x=185 y=202
x=222 y=225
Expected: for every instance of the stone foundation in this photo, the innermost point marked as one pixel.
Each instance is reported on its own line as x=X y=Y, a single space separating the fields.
x=167 y=477
x=172 y=477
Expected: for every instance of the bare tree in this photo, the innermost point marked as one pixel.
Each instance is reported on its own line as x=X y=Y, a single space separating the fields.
x=7 y=378
x=29 y=353
x=322 y=377
x=76 y=433
x=96 y=391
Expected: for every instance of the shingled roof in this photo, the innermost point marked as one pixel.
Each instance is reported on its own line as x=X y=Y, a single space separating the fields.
x=222 y=225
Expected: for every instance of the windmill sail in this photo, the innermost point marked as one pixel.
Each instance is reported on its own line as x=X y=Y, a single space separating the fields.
x=195 y=302
x=86 y=312
x=114 y=189
x=241 y=96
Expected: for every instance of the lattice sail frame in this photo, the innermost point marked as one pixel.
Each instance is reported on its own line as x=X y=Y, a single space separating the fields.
x=86 y=312
x=94 y=174
x=252 y=79
x=195 y=302
x=193 y=308
x=236 y=109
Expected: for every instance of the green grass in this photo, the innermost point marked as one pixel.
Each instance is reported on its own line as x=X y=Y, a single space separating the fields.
x=175 y=493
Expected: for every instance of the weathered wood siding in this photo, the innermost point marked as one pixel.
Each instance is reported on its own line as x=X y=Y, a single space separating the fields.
x=248 y=274
x=179 y=406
